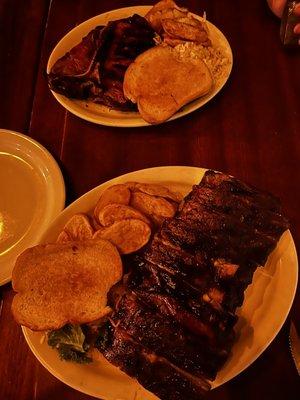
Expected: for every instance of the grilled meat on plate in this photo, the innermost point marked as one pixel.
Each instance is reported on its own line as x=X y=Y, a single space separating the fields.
x=174 y=314
x=94 y=69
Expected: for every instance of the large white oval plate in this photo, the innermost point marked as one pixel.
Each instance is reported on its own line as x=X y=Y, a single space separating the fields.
x=266 y=306
x=102 y=115
x=32 y=194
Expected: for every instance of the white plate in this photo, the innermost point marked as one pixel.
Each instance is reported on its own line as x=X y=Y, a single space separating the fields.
x=266 y=306
x=102 y=115
x=32 y=195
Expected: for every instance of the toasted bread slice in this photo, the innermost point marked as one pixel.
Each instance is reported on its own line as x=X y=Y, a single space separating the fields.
x=64 y=283
x=160 y=81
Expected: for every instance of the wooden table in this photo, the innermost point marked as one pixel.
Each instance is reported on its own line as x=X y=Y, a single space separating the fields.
x=251 y=130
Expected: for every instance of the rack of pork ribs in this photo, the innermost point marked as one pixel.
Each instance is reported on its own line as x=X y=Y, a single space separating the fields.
x=94 y=69
x=174 y=313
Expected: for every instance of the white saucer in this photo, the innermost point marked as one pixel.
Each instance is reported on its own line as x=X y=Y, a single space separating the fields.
x=32 y=194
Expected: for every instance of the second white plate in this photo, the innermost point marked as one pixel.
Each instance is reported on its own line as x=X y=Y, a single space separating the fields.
x=102 y=115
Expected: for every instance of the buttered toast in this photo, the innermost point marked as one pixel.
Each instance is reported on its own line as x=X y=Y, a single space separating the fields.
x=161 y=82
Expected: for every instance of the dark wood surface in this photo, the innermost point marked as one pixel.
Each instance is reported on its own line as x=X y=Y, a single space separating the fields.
x=251 y=130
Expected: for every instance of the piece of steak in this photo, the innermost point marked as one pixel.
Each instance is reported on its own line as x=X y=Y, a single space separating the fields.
x=179 y=301
x=94 y=69
x=76 y=74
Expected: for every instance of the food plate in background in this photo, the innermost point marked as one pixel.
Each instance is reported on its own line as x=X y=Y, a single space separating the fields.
x=100 y=114
x=266 y=306
x=32 y=195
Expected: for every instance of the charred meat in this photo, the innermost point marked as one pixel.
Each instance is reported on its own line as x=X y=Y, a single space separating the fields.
x=155 y=373
x=94 y=69
x=174 y=314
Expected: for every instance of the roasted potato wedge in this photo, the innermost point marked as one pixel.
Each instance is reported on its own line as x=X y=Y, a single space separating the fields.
x=63 y=237
x=117 y=212
x=158 y=190
x=185 y=31
x=155 y=208
x=161 y=5
x=131 y=185
x=164 y=9
x=172 y=40
x=154 y=19
x=128 y=235
x=116 y=194
x=96 y=224
x=192 y=21
x=77 y=228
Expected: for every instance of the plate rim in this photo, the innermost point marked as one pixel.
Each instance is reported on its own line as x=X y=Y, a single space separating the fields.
x=121 y=123
x=124 y=176
x=60 y=192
